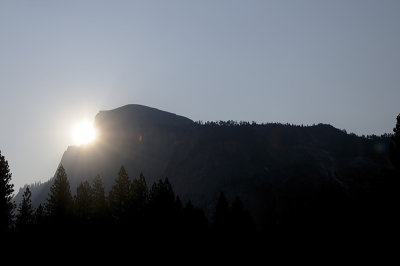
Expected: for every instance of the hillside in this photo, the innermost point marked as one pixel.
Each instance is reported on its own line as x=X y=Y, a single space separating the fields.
x=275 y=169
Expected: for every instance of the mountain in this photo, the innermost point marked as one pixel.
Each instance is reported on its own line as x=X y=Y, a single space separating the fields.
x=276 y=169
x=141 y=138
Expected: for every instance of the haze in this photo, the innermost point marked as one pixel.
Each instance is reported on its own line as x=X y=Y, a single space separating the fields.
x=300 y=62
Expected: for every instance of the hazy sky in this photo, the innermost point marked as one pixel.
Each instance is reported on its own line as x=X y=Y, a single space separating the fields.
x=301 y=62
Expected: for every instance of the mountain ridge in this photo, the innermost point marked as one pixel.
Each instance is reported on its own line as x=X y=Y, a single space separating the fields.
x=262 y=163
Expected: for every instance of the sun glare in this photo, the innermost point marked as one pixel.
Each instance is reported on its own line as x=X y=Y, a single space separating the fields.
x=84 y=133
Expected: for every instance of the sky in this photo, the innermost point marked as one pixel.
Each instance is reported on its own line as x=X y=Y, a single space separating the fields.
x=300 y=62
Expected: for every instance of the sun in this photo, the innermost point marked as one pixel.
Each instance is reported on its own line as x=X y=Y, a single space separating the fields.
x=84 y=133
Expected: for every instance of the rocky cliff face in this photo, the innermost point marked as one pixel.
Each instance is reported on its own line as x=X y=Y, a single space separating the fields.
x=271 y=167
x=141 y=138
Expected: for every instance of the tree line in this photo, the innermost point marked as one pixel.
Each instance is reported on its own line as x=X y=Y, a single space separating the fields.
x=130 y=204
x=134 y=208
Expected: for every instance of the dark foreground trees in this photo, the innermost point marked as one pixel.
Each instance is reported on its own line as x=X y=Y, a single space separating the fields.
x=395 y=145
x=25 y=212
x=120 y=195
x=83 y=203
x=232 y=220
x=59 y=203
x=6 y=190
x=131 y=209
x=99 y=198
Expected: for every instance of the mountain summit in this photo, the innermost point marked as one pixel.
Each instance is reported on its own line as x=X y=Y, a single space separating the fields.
x=273 y=168
x=135 y=117
x=141 y=138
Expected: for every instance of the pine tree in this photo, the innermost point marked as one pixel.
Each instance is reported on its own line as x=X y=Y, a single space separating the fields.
x=194 y=220
x=162 y=196
x=6 y=190
x=98 y=196
x=162 y=207
x=395 y=145
x=59 y=202
x=178 y=204
x=241 y=219
x=140 y=194
x=83 y=202
x=39 y=216
x=222 y=214
x=120 y=194
x=25 y=211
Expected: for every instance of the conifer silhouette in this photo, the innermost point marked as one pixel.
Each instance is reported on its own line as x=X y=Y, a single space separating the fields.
x=120 y=195
x=25 y=211
x=6 y=190
x=59 y=202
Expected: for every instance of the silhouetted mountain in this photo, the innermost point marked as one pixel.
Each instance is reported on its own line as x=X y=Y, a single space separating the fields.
x=141 y=138
x=276 y=170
